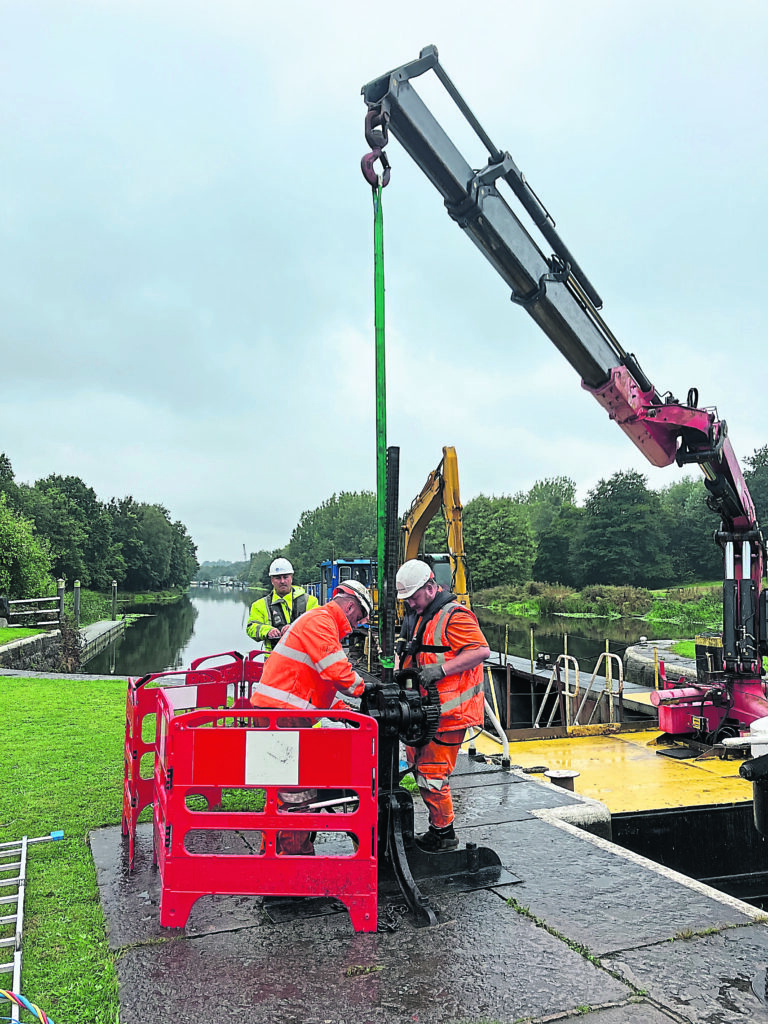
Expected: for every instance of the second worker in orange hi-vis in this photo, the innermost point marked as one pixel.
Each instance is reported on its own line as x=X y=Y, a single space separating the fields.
x=442 y=640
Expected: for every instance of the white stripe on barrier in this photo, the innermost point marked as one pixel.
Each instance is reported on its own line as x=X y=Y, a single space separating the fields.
x=272 y=758
x=181 y=698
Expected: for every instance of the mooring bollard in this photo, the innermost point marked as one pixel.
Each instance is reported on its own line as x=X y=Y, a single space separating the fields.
x=77 y=603
x=562 y=777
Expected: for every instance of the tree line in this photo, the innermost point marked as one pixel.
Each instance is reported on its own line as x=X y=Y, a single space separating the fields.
x=57 y=528
x=624 y=533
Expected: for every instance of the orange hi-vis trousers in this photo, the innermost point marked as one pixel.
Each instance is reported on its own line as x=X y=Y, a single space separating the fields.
x=434 y=764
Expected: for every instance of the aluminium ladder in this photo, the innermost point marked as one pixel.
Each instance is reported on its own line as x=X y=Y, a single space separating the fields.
x=13 y=858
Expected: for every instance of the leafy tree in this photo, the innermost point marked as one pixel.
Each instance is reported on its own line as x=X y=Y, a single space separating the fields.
x=621 y=537
x=25 y=560
x=344 y=526
x=553 y=554
x=157 y=534
x=498 y=541
x=259 y=562
x=57 y=518
x=124 y=513
x=78 y=526
x=756 y=478
x=155 y=552
x=183 y=564
x=8 y=485
x=546 y=498
x=689 y=524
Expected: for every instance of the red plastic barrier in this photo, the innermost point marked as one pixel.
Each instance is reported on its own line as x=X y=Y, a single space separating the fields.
x=199 y=689
x=234 y=677
x=243 y=672
x=203 y=749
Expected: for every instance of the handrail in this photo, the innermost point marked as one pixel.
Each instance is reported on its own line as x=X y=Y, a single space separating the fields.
x=609 y=658
x=568 y=661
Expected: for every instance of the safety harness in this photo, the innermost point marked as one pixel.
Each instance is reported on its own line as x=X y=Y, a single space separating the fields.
x=276 y=612
x=410 y=644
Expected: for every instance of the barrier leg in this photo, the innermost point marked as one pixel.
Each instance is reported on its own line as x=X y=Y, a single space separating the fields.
x=175 y=907
x=363 y=912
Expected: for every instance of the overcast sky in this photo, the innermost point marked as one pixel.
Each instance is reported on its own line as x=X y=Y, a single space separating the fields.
x=186 y=259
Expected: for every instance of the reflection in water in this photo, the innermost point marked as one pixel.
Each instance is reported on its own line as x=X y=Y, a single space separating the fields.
x=153 y=644
x=205 y=621
x=212 y=621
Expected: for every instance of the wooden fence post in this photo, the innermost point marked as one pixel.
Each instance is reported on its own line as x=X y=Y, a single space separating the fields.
x=60 y=596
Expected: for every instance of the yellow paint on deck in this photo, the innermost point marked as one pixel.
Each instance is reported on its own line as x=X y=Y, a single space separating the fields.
x=626 y=773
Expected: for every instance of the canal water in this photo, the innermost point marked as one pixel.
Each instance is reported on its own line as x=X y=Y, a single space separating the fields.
x=212 y=620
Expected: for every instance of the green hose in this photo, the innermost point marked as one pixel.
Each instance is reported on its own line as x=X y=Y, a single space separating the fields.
x=381 y=391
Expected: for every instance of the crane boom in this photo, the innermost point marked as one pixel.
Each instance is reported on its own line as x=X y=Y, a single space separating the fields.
x=558 y=296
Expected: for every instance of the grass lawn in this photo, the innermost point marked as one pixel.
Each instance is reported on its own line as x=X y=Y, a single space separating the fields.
x=10 y=633
x=62 y=769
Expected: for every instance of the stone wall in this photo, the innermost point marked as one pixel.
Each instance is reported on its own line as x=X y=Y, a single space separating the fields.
x=21 y=653
x=639 y=664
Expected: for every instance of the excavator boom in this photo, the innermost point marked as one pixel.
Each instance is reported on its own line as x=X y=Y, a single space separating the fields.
x=441 y=491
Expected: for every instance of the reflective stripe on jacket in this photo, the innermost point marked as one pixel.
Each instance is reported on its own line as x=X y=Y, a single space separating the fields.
x=461 y=696
x=308 y=667
x=273 y=611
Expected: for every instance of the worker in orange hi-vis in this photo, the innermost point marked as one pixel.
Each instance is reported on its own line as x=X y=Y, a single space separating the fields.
x=443 y=642
x=308 y=670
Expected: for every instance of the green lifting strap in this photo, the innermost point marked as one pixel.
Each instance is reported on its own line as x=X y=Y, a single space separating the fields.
x=381 y=391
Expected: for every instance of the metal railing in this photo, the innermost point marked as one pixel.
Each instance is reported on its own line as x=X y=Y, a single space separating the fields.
x=566 y=695
x=564 y=692
x=607 y=690
x=34 y=612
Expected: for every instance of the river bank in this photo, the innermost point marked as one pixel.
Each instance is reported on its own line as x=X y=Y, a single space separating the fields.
x=693 y=608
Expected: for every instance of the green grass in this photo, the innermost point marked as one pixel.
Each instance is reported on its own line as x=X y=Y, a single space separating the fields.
x=10 y=633
x=62 y=769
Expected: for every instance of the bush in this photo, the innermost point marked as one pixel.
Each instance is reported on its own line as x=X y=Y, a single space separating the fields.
x=544 y=599
x=93 y=606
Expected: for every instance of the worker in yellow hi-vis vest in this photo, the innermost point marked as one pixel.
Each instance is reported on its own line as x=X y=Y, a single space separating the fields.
x=270 y=616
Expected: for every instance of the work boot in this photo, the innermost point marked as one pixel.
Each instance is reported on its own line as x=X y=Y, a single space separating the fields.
x=438 y=840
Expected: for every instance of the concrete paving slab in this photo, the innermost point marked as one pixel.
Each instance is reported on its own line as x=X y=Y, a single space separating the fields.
x=595 y=936
x=599 y=895
x=476 y=968
x=709 y=978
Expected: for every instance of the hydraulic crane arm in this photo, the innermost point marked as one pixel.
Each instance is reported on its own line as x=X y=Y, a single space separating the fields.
x=440 y=491
x=558 y=296
x=554 y=291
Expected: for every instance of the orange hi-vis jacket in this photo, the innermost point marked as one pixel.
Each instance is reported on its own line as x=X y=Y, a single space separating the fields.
x=308 y=668
x=452 y=629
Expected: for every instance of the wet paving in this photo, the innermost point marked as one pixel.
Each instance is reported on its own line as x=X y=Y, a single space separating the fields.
x=583 y=929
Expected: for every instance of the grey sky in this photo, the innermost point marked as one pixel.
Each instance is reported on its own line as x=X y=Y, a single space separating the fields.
x=186 y=258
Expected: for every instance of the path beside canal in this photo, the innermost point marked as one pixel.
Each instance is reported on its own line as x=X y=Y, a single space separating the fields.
x=585 y=930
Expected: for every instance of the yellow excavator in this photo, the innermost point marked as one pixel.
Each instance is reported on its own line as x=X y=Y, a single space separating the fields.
x=441 y=491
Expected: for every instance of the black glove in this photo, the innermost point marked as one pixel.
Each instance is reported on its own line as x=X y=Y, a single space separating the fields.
x=370 y=686
x=431 y=673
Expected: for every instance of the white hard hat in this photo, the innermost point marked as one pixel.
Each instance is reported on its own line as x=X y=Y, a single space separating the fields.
x=281 y=567
x=411 y=576
x=361 y=594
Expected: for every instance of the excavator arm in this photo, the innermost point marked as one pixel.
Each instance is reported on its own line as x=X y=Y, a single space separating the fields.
x=441 y=491
x=555 y=292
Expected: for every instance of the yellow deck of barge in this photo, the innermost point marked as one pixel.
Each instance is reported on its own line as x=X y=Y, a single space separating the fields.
x=626 y=772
